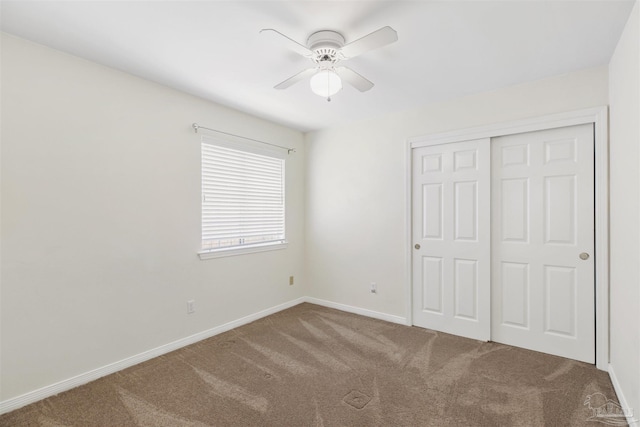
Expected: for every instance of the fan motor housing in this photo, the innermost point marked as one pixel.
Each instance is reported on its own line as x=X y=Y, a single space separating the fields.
x=325 y=45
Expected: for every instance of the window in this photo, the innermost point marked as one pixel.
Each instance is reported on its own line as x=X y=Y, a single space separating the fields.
x=243 y=206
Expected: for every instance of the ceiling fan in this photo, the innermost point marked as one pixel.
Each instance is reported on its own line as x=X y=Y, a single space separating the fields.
x=326 y=49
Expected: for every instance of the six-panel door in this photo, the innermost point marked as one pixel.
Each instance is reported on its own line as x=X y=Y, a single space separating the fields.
x=451 y=264
x=543 y=241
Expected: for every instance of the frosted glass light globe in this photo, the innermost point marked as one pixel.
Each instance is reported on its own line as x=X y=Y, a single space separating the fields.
x=325 y=83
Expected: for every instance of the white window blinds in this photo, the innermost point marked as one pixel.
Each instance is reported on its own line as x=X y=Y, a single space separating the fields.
x=242 y=196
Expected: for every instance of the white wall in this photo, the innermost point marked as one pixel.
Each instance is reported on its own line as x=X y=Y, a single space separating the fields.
x=624 y=95
x=101 y=219
x=356 y=189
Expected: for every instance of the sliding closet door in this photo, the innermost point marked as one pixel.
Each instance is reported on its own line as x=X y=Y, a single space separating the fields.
x=543 y=241
x=451 y=238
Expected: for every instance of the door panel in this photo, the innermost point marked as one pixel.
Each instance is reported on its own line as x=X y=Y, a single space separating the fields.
x=465 y=209
x=432 y=208
x=515 y=210
x=451 y=267
x=432 y=287
x=465 y=273
x=560 y=300
x=542 y=220
x=515 y=294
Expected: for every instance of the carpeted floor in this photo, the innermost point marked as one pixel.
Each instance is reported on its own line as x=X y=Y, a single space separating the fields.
x=314 y=366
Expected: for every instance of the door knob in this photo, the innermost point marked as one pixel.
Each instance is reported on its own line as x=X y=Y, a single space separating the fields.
x=417 y=246
x=584 y=256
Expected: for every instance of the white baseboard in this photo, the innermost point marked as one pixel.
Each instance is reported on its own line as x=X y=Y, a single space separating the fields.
x=53 y=389
x=357 y=310
x=632 y=418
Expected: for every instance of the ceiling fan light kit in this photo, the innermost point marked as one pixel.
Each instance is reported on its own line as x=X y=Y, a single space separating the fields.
x=325 y=83
x=326 y=48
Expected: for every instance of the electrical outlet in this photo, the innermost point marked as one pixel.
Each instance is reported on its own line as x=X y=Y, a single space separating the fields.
x=290 y=280
x=191 y=306
x=373 y=288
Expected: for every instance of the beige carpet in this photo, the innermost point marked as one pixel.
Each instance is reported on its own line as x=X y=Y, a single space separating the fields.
x=313 y=366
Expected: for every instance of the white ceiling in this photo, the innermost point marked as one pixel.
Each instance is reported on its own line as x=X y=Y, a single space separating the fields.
x=213 y=49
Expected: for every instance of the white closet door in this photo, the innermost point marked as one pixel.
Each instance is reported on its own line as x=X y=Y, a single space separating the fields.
x=543 y=241
x=451 y=238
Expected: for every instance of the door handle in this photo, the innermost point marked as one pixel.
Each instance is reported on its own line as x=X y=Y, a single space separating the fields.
x=584 y=256
x=417 y=246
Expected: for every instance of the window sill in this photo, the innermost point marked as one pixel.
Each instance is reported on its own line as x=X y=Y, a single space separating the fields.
x=221 y=253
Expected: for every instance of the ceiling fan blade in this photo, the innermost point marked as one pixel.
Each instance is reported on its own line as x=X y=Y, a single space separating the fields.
x=354 y=79
x=296 y=78
x=378 y=38
x=287 y=42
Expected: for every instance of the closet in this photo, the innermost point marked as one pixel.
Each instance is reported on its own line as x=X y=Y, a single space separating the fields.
x=503 y=237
